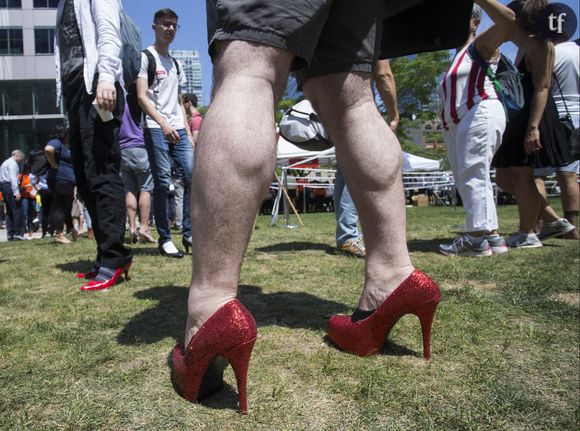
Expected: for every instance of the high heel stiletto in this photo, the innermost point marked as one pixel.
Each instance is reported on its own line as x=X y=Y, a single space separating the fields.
x=105 y=284
x=186 y=244
x=228 y=336
x=418 y=295
x=145 y=237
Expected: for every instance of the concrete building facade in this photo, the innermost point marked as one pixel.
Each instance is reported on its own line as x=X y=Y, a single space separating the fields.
x=189 y=59
x=28 y=110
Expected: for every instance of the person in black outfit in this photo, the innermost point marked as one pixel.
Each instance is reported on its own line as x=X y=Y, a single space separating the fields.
x=90 y=71
x=533 y=138
x=61 y=182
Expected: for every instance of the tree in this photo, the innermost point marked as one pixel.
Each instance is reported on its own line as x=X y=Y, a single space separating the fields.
x=417 y=77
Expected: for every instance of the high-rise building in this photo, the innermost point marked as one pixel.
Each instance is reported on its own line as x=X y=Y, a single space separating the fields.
x=28 y=110
x=192 y=69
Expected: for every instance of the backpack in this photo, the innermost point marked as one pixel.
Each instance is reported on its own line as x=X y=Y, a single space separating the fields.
x=300 y=126
x=131 y=97
x=506 y=81
x=130 y=49
x=152 y=66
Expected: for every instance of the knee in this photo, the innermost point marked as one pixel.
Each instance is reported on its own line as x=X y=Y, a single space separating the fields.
x=336 y=95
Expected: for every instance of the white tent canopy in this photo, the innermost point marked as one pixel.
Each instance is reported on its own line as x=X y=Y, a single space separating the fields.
x=286 y=151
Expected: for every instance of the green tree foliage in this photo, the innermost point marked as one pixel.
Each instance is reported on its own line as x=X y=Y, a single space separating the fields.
x=418 y=76
x=283 y=106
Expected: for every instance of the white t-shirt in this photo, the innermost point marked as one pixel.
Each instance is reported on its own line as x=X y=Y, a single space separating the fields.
x=567 y=71
x=164 y=91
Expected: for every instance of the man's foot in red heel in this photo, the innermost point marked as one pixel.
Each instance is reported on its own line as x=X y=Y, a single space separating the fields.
x=228 y=336
x=418 y=295
x=89 y=275
x=107 y=277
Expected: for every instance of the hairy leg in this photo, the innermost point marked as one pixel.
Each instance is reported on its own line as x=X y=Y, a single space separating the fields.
x=371 y=159
x=144 y=210
x=570 y=191
x=234 y=163
x=131 y=204
x=530 y=201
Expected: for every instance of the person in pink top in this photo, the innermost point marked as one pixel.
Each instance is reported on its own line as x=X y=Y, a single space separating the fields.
x=194 y=118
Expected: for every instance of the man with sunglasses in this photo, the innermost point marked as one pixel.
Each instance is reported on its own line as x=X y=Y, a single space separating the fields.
x=167 y=136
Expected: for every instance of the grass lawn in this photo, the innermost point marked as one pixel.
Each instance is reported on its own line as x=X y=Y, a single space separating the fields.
x=505 y=342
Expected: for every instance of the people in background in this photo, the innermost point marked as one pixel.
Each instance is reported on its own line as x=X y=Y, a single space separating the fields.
x=88 y=43
x=136 y=174
x=167 y=135
x=474 y=120
x=566 y=93
x=10 y=189
x=534 y=137
x=61 y=182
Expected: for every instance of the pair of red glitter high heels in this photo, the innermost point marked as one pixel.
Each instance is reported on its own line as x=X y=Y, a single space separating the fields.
x=230 y=333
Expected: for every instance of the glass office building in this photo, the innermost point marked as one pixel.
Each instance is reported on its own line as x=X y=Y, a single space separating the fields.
x=192 y=69
x=28 y=110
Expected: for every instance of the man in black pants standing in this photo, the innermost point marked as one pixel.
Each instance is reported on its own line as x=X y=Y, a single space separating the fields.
x=90 y=71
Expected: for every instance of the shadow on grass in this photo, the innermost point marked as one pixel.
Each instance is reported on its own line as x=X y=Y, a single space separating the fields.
x=167 y=318
x=78 y=266
x=295 y=246
x=389 y=349
x=226 y=396
x=425 y=244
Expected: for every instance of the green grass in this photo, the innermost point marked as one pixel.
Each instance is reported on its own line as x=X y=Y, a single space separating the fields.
x=505 y=342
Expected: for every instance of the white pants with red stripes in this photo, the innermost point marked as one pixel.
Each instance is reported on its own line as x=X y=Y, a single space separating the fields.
x=471 y=145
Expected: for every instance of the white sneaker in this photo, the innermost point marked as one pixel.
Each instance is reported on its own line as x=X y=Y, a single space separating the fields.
x=523 y=240
x=497 y=244
x=463 y=246
x=555 y=229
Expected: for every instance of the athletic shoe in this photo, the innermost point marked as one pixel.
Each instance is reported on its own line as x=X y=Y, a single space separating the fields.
x=354 y=247
x=463 y=246
x=497 y=244
x=556 y=229
x=523 y=240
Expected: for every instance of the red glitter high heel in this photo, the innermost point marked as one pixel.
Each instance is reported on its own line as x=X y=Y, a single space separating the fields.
x=227 y=336
x=418 y=295
x=102 y=285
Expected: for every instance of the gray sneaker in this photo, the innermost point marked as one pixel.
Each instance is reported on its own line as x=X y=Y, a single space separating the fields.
x=462 y=246
x=556 y=229
x=523 y=240
x=497 y=244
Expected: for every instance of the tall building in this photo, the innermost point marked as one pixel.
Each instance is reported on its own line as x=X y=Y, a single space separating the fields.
x=28 y=109
x=192 y=69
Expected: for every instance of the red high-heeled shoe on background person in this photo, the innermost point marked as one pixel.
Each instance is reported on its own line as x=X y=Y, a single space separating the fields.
x=227 y=336
x=105 y=284
x=418 y=295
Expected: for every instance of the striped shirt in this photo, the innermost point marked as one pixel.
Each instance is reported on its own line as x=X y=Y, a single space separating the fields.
x=464 y=85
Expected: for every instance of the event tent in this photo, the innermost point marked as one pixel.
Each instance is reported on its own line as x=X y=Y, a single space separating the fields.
x=287 y=151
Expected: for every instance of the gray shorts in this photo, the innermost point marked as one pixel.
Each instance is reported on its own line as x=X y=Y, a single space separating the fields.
x=326 y=36
x=135 y=170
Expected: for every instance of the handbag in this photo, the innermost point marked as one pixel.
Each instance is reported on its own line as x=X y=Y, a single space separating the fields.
x=568 y=125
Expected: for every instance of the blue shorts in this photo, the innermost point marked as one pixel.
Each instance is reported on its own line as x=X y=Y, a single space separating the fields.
x=545 y=172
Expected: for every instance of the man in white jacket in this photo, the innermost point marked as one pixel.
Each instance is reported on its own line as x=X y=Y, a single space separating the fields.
x=87 y=46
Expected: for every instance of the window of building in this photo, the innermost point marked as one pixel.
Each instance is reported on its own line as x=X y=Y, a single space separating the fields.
x=49 y=4
x=16 y=4
x=44 y=40
x=11 y=41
